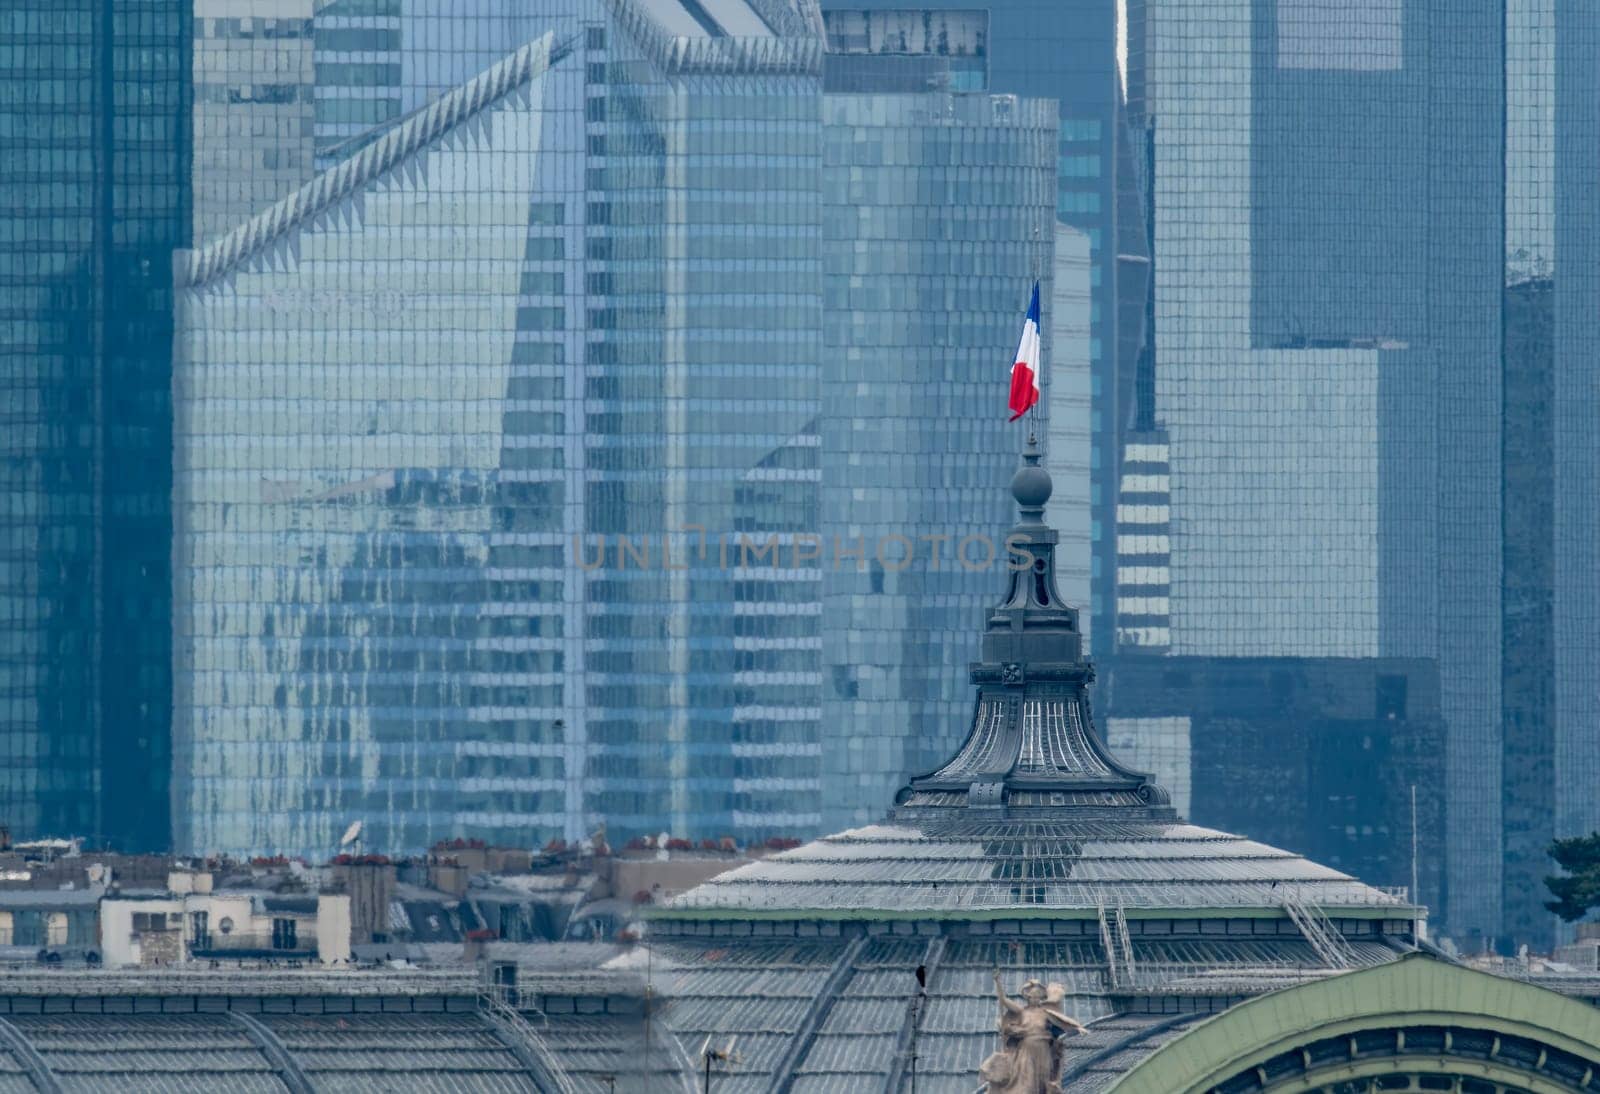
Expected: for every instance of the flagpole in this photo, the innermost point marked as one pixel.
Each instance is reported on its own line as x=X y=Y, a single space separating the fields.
x=1029 y=359
x=1033 y=411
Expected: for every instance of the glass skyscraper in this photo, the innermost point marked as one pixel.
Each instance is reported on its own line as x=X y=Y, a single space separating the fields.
x=94 y=109
x=704 y=315
x=361 y=626
x=1066 y=51
x=933 y=203
x=1370 y=368
x=513 y=451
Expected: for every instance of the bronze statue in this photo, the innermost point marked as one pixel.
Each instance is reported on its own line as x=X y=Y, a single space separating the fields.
x=1029 y=1059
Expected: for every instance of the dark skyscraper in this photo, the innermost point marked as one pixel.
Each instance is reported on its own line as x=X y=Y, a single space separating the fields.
x=94 y=182
x=1374 y=365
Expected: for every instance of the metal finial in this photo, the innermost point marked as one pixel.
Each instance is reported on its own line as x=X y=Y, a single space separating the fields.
x=1031 y=485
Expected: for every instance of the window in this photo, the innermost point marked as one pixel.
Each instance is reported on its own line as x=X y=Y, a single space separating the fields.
x=1080 y=129
x=541 y=318
x=361 y=111
x=547 y=212
x=284 y=934
x=357 y=40
x=549 y=283
x=1079 y=167
x=55 y=926
x=1078 y=202
x=543 y=248
x=362 y=7
x=263 y=93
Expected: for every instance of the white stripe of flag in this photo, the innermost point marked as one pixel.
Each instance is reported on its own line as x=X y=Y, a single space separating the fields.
x=1025 y=372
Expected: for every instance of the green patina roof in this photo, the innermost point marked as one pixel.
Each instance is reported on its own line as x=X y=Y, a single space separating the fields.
x=1417 y=990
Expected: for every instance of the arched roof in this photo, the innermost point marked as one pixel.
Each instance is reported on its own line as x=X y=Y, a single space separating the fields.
x=1415 y=1014
x=1064 y=867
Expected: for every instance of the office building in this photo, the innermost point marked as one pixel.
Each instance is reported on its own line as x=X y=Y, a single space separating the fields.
x=1067 y=52
x=356 y=54
x=1144 y=546
x=515 y=452
x=933 y=201
x=1320 y=756
x=94 y=108
x=361 y=624
x=1370 y=368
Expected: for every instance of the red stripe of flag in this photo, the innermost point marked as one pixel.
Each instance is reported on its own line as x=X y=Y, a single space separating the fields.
x=1025 y=372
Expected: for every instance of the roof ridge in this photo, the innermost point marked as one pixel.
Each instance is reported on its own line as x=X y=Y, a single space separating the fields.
x=204 y=263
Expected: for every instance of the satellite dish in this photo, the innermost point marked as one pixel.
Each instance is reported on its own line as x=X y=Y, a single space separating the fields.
x=351 y=834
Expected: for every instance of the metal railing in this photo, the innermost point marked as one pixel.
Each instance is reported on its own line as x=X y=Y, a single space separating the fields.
x=758 y=894
x=215 y=942
x=493 y=1004
x=1198 y=979
x=1323 y=935
x=238 y=979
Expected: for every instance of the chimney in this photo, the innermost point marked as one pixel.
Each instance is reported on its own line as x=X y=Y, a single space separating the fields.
x=371 y=887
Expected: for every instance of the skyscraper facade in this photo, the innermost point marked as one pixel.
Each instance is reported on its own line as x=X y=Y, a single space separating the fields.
x=94 y=108
x=705 y=322
x=1067 y=51
x=356 y=54
x=1361 y=360
x=1551 y=456
x=253 y=107
x=362 y=631
x=514 y=450
x=933 y=203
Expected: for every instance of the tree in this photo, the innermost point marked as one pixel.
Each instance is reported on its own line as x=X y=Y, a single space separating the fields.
x=1578 y=892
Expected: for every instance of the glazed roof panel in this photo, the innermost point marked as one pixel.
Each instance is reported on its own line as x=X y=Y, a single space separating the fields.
x=1032 y=867
x=147 y=1052
x=849 y=1054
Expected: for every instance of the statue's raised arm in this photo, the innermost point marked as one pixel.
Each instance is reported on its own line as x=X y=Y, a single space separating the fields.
x=1007 y=1004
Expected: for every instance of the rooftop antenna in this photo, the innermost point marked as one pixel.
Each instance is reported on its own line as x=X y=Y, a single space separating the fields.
x=1416 y=899
x=649 y=999
x=916 y=1019
x=724 y=1055
x=352 y=836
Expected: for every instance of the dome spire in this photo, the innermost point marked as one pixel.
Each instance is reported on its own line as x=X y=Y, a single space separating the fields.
x=1033 y=623
x=1033 y=744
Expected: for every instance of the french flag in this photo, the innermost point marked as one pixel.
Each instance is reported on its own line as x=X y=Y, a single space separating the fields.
x=1025 y=373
